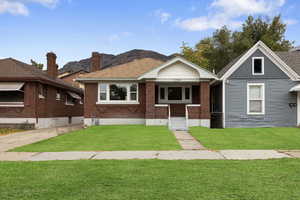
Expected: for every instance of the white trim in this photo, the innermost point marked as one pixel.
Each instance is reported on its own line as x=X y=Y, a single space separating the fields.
x=203 y=73
x=224 y=102
x=127 y=101
x=298 y=109
x=12 y=104
x=116 y=102
x=263 y=98
x=161 y=105
x=270 y=54
x=262 y=66
x=295 y=88
x=183 y=98
x=193 y=105
x=18 y=86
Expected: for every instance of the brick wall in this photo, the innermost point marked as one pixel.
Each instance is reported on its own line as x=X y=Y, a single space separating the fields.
x=204 y=100
x=42 y=108
x=93 y=110
x=28 y=111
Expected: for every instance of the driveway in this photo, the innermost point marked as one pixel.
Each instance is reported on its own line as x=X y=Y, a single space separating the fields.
x=12 y=141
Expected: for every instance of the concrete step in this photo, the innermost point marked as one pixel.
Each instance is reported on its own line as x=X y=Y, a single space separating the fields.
x=178 y=123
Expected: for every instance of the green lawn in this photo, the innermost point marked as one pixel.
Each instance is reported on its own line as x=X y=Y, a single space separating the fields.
x=108 y=138
x=5 y=131
x=151 y=180
x=248 y=138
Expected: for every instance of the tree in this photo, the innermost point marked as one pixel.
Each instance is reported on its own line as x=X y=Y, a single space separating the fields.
x=224 y=45
x=38 y=65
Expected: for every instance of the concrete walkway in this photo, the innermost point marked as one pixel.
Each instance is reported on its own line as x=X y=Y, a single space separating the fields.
x=188 y=142
x=161 y=155
x=12 y=141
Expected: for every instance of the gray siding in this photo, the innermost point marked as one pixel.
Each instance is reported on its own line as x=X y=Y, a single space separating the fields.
x=277 y=109
x=277 y=97
x=271 y=70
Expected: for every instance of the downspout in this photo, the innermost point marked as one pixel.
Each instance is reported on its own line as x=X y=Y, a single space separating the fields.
x=223 y=102
x=36 y=104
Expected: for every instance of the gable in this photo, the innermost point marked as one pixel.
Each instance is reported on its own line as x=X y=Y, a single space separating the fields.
x=232 y=67
x=271 y=70
x=178 y=70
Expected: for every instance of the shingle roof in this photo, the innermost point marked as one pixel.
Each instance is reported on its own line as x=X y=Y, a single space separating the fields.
x=132 y=69
x=11 y=69
x=291 y=58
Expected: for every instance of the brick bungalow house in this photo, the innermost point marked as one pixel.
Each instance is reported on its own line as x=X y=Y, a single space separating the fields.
x=31 y=98
x=147 y=91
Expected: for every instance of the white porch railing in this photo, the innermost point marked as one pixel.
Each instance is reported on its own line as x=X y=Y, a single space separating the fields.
x=169 y=116
x=187 y=112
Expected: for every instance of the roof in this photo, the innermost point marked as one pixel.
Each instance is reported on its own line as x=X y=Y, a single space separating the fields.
x=291 y=58
x=14 y=70
x=130 y=70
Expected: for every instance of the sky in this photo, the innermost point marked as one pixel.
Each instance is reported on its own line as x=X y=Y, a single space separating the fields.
x=75 y=28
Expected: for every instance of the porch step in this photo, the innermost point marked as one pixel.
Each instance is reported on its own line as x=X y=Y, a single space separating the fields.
x=178 y=124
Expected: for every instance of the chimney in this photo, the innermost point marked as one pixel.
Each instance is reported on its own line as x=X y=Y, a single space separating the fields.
x=51 y=65
x=96 y=62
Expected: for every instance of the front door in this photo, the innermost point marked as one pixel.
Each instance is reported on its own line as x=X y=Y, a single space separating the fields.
x=177 y=110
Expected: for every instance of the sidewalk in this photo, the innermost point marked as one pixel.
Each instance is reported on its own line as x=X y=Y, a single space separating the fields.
x=161 y=155
x=14 y=140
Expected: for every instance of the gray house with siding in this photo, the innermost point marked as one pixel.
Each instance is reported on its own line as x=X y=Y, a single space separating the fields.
x=262 y=89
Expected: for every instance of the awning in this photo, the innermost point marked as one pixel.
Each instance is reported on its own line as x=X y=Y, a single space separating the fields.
x=74 y=95
x=11 y=86
x=295 y=88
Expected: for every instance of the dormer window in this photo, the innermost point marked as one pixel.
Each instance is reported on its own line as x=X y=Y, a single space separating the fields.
x=258 y=66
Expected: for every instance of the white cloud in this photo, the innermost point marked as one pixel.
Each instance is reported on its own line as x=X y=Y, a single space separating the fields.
x=12 y=7
x=227 y=12
x=18 y=7
x=162 y=15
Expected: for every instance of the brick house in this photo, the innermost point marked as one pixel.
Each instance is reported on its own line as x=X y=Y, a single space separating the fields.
x=31 y=98
x=147 y=91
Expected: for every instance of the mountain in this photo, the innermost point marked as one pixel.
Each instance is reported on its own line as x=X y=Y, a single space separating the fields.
x=110 y=60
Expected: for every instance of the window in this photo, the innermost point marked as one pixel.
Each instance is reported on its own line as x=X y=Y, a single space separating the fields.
x=258 y=65
x=12 y=94
x=58 y=95
x=42 y=91
x=103 y=92
x=172 y=94
x=187 y=93
x=70 y=101
x=162 y=93
x=118 y=93
x=256 y=98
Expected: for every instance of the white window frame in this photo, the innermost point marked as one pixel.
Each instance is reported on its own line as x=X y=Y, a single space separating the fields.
x=58 y=95
x=127 y=101
x=69 y=104
x=263 y=99
x=262 y=66
x=183 y=99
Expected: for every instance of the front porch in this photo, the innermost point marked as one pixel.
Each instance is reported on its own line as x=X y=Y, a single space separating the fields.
x=178 y=105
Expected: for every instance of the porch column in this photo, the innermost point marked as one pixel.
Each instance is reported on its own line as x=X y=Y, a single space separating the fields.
x=204 y=100
x=150 y=100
